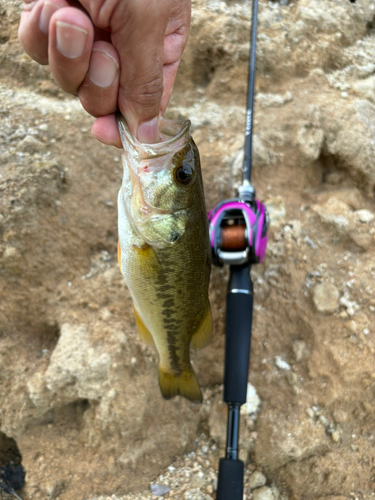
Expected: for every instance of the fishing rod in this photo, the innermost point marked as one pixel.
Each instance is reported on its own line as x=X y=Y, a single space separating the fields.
x=238 y=237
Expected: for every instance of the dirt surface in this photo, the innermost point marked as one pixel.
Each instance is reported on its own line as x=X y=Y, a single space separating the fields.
x=80 y=406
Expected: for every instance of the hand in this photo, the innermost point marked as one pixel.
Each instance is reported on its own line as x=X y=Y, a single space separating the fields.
x=111 y=54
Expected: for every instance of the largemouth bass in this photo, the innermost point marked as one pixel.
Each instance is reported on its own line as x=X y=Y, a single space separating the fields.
x=164 y=252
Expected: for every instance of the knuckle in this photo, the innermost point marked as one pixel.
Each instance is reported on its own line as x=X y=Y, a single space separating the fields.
x=148 y=93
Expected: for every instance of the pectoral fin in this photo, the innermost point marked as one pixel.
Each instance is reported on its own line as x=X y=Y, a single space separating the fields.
x=203 y=334
x=148 y=261
x=143 y=331
x=185 y=385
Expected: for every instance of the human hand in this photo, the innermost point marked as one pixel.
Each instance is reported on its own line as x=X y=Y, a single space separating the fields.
x=111 y=54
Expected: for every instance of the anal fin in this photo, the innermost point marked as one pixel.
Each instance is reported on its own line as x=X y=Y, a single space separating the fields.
x=202 y=335
x=143 y=331
x=185 y=384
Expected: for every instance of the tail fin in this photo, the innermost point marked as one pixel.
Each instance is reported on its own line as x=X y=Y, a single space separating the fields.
x=185 y=385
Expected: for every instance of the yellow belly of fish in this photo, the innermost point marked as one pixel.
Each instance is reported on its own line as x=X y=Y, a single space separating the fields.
x=167 y=319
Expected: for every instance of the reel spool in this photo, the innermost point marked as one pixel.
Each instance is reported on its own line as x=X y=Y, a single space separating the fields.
x=238 y=232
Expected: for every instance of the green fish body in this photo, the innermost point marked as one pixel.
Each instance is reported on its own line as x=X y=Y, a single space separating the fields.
x=164 y=252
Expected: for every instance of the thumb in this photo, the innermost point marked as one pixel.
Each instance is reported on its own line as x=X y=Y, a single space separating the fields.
x=138 y=30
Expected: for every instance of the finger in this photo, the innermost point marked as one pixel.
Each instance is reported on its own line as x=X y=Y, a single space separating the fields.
x=169 y=75
x=71 y=36
x=137 y=32
x=105 y=130
x=34 y=25
x=141 y=56
x=98 y=92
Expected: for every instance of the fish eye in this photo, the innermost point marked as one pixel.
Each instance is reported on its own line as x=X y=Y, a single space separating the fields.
x=183 y=174
x=184 y=165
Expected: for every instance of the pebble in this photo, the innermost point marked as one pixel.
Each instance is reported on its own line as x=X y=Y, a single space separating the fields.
x=197 y=481
x=364 y=216
x=340 y=416
x=364 y=241
x=30 y=145
x=263 y=493
x=280 y=363
x=351 y=306
x=310 y=412
x=159 y=490
x=326 y=298
x=252 y=401
x=300 y=350
x=256 y=480
x=336 y=436
x=10 y=252
x=276 y=210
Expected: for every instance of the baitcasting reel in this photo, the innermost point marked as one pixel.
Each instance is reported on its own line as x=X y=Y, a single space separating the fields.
x=238 y=230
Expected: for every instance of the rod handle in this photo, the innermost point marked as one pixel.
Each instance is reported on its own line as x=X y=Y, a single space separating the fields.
x=230 y=481
x=238 y=335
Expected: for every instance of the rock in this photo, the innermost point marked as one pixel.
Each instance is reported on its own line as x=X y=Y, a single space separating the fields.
x=217 y=419
x=271 y=100
x=276 y=492
x=351 y=197
x=252 y=401
x=30 y=145
x=351 y=305
x=10 y=252
x=362 y=240
x=264 y=493
x=365 y=88
x=310 y=141
x=326 y=298
x=329 y=18
x=256 y=480
x=280 y=363
x=55 y=490
x=159 y=490
x=75 y=367
x=276 y=210
x=336 y=214
x=340 y=416
x=364 y=216
x=283 y=440
x=197 y=480
x=352 y=145
x=336 y=436
x=300 y=350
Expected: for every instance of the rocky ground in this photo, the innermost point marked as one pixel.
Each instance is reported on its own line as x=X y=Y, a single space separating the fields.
x=79 y=402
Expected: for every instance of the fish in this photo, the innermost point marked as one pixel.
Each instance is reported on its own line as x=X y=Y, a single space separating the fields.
x=164 y=251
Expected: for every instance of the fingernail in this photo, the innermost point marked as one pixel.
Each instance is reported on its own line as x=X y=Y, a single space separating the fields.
x=45 y=16
x=148 y=132
x=103 y=68
x=70 y=40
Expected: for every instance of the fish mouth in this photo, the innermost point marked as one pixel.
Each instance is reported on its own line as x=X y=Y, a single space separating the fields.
x=173 y=136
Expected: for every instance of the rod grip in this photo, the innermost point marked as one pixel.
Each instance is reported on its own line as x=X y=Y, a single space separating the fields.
x=237 y=343
x=230 y=480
